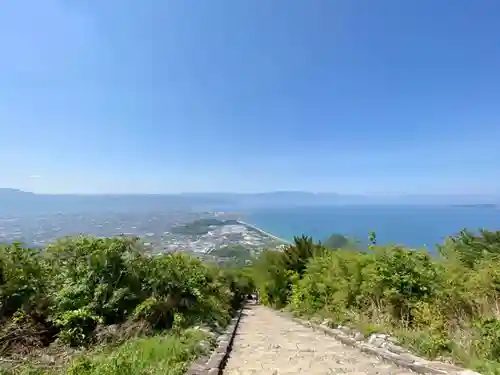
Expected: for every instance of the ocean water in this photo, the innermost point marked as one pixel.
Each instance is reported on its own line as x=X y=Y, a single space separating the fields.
x=413 y=226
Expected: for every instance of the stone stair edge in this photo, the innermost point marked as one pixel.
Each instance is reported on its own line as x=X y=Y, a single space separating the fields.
x=215 y=363
x=382 y=346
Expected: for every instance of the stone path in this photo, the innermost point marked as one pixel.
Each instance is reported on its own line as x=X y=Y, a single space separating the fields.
x=269 y=344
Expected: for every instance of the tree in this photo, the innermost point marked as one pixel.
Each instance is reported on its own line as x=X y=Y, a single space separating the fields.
x=337 y=241
x=372 y=238
x=298 y=254
x=469 y=248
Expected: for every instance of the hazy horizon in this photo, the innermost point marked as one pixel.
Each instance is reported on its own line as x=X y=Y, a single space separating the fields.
x=236 y=193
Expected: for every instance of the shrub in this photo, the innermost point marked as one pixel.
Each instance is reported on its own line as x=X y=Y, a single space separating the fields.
x=330 y=284
x=22 y=280
x=79 y=285
x=397 y=279
x=77 y=326
x=446 y=305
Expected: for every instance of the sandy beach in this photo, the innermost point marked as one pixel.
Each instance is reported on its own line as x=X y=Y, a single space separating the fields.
x=264 y=232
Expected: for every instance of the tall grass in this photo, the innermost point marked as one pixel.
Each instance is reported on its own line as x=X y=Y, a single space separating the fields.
x=168 y=354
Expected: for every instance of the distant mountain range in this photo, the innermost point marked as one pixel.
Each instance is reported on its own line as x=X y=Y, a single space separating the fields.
x=16 y=202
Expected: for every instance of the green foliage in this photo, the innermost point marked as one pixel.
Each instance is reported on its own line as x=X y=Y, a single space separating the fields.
x=95 y=274
x=427 y=342
x=298 y=254
x=166 y=354
x=397 y=278
x=234 y=255
x=272 y=278
x=446 y=305
x=241 y=284
x=372 y=238
x=78 y=286
x=338 y=241
x=331 y=285
x=200 y=227
x=22 y=281
x=469 y=249
x=76 y=326
x=232 y=251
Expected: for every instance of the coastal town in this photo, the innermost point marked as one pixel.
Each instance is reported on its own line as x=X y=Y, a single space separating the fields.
x=218 y=234
x=205 y=234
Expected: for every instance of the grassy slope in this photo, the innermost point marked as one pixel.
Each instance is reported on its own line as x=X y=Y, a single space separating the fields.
x=167 y=354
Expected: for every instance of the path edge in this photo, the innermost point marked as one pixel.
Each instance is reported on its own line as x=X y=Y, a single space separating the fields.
x=385 y=350
x=220 y=353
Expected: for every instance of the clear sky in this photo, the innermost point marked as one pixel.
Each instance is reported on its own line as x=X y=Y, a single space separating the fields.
x=165 y=96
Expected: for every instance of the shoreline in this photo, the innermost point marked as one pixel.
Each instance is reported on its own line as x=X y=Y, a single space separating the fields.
x=264 y=232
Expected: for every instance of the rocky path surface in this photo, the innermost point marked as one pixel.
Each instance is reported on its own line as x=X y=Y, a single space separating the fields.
x=269 y=344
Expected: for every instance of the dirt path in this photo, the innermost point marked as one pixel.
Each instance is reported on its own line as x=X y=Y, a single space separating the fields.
x=269 y=344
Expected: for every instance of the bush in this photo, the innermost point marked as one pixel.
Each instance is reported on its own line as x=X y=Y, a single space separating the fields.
x=78 y=286
x=397 y=279
x=275 y=272
x=22 y=280
x=330 y=285
x=441 y=306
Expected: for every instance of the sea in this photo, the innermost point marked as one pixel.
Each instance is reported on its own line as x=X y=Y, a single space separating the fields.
x=412 y=226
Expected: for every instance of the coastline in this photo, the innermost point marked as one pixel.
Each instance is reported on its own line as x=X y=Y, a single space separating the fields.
x=264 y=232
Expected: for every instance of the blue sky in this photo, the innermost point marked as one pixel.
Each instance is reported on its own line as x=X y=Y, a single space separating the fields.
x=161 y=96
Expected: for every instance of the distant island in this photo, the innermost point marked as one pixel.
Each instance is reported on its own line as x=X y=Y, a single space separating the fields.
x=480 y=205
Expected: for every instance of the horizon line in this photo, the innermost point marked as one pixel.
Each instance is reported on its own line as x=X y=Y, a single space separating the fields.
x=186 y=193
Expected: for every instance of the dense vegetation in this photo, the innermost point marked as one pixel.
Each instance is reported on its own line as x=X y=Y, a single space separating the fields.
x=88 y=305
x=445 y=306
x=234 y=254
x=201 y=226
x=109 y=295
x=338 y=241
